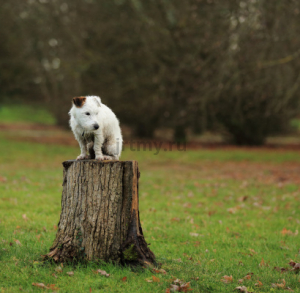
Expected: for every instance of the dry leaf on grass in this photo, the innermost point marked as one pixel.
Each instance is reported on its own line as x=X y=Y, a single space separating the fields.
x=296 y=266
x=43 y=286
x=70 y=273
x=227 y=279
x=39 y=285
x=124 y=279
x=263 y=263
x=174 y=288
x=52 y=287
x=24 y=217
x=155 y=279
x=59 y=269
x=159 y=271
x=276 y=285
x=259 y=283
x=288 y=232
x=252 y=251
x=103 y=273
x=18 y=242
x=242 y=289
x=248 y=276
x=282 y=270
x=179 y=286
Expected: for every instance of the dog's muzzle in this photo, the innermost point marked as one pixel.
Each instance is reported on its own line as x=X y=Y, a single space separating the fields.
x=96 y=126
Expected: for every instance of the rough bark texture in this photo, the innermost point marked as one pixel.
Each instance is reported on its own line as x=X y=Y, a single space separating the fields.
x=100 y=214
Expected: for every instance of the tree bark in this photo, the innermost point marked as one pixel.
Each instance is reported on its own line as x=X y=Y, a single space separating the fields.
x=100 y=214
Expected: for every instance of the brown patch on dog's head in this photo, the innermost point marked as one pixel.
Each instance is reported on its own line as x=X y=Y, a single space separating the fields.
x=79 y=101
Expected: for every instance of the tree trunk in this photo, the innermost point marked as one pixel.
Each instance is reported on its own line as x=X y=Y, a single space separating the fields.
x=100 y=214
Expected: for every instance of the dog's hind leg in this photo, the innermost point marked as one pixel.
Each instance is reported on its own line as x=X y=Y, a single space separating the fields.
x=111 y=150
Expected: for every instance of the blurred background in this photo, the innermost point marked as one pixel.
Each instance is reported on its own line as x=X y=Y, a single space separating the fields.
x=170 y=69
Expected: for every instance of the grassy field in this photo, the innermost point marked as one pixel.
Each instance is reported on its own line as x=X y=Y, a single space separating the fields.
x=25 y=114
x=207 y=214
x=218 y=219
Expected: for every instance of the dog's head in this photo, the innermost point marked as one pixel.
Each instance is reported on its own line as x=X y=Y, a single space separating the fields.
x=85 y=110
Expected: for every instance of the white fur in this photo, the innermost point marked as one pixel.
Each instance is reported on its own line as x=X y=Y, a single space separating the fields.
x=108 y=137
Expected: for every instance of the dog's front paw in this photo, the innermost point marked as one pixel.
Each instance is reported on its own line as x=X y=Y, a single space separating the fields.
x=82 y=157
x=100 y=158
x=109 y=158
x=103 y=158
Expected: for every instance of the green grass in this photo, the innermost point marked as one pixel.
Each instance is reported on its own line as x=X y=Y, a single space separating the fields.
x=180 y=193
x=25 y=114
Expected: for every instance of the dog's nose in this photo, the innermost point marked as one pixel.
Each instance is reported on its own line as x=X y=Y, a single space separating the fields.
x=96 y=126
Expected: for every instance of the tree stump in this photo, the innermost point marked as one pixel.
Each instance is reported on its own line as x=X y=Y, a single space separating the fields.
x=100 y=214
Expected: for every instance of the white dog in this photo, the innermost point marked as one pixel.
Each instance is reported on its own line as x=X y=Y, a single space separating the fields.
x=96 y=128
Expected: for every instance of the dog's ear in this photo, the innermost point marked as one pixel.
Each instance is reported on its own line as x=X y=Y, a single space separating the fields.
x=98 y=101
x=79 y=101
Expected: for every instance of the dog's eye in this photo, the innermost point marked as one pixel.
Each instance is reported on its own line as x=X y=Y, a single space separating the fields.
x=87 y=113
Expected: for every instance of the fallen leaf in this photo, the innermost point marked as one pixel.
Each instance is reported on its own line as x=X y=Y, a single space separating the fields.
x=149 y=281
x=282 y=270
x=54 y=276
x=286 y=232
x=59 y=269
x=70 y=273
x=124 y=279
x=52 y=287
x=262 y=263
x=259 y=283
x=174 y=288
x=242 y=289
x=24 y=217
x=103 y=273
x=227 y=279
x=185 y=287
x=18 y=242
x=242 y=198
x=187 y=205
x=282 y=285
x=159 y=271
x=155 y=279
x=194 y=234
x=296 y=266
x=40 y=285
x=247 y=277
